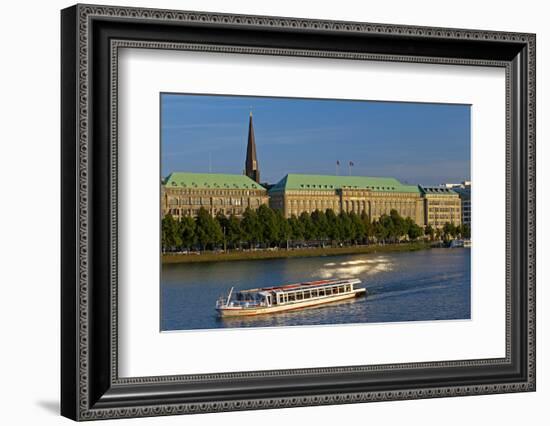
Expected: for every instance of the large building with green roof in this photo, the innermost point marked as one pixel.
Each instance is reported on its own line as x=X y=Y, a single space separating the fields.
x=183 y=194
x=297 y=193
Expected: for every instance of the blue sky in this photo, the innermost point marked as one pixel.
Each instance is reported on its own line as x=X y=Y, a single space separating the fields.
x=417 y=143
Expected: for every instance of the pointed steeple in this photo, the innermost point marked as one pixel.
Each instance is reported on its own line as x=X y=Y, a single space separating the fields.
x=252 y=170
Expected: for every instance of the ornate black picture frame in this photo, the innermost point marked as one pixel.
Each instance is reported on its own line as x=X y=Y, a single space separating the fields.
x=91 y=387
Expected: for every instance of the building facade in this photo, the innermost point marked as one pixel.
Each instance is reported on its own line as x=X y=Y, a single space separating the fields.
x=441 y=205
x=183 y=194
x=466 y=204
x=298 y=193
x=464 y=191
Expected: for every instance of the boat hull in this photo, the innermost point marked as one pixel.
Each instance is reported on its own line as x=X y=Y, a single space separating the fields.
x=228 y=311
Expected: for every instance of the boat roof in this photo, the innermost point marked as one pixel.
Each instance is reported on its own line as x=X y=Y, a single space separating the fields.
x=304 y=284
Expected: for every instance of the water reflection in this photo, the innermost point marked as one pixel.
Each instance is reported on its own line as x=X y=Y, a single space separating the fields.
x=355 y=268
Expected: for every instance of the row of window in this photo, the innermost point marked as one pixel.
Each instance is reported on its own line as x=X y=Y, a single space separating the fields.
x=195 y=212
x=443 y=203
x=438 y=224
x=378 y=188
x=442 y=216
x=374 y=212
x=309 y=294
x=229 y=192
x=313 y=203
x=444 y=209
x=347 y=194
x=321 y=202
x=213 y=201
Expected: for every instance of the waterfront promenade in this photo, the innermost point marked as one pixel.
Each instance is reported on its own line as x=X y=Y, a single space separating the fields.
x=216 y=256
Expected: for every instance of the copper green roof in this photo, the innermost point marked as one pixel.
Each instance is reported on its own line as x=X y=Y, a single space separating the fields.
x=296 y=182
x=442 y=190
x=209 y=181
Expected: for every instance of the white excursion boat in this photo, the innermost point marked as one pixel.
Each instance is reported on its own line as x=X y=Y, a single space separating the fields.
x=267 y=300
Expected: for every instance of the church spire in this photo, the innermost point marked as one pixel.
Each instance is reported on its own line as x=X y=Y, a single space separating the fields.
x=252 y=170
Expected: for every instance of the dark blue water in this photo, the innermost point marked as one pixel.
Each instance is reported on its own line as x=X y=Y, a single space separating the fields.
x=424 y=285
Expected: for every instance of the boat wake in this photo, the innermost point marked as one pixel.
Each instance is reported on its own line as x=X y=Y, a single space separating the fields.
x=373 y=296
x=354 y=268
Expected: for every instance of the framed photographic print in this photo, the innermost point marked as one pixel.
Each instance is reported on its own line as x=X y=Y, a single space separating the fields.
x=263 y=212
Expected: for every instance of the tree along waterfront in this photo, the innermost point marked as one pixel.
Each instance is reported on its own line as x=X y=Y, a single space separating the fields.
x=267 y=228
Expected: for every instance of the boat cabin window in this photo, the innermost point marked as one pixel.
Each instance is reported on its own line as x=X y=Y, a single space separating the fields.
x=248 y=297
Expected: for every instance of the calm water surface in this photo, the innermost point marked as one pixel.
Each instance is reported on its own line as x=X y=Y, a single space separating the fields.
x=413 y=286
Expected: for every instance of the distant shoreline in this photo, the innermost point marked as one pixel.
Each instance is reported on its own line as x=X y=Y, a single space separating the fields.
x=209 y=256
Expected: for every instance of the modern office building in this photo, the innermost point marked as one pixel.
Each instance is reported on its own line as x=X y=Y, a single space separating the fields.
x=465 y=195
x=464 y=191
